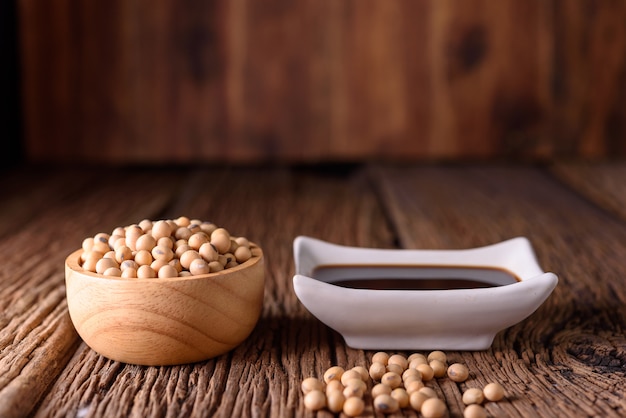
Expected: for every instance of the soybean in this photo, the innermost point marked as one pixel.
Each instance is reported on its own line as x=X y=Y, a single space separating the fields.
x=473 y=395
x=417 y=356
x=129 y=273
x=386 y=404
x=349 y=374
x=100 y=246
x=113 y=271
x=377 y=370
x=129 y=264
x=398 y=359
x=167 y=271
x=90 y=264
x=215 y=266
x=352 y=390
x=417 y=399
x=400 y=385
x=474 y=411
x=362 y=371
x=161 y=229
x=145 y=242
x=187 y=257
x=395 y=368
x=105 y=263
x=335 y=401
x=333 y=373
x=311 y=383
x=427 y=372
x=458 y=372
x=161 y=252
x=380 y=357
x=123 y=253
x=199 y=266
x=416 y=361
x=430 y=392
x=315 y=400
x=167 y=240
x=221 y=240
x=196 y=240
x=411 y=372
x=208 y=252
x=143 y=257
x=391 y=379
x=334 y=386
x=413 y=386
x=437 y=355
x=87 y=244
x=401 y=396
x=380 y=389
x=439 y=368
x=353 y=407
x=434 y=408
x=242 y=254
x=145 y=272
x=493 y=392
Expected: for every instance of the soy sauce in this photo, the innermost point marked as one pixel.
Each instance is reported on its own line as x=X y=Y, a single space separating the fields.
x=396 y=277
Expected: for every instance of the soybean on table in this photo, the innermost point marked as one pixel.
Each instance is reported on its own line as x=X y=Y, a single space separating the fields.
x=567 y=359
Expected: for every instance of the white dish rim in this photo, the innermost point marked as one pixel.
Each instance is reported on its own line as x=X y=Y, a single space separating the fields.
x=421 y=319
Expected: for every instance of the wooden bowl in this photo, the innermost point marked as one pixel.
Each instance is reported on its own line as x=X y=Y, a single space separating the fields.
x=165 y=321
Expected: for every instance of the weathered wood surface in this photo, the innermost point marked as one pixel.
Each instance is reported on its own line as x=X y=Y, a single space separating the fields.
x=242 y=80
x=602 y=183
x=567 y=359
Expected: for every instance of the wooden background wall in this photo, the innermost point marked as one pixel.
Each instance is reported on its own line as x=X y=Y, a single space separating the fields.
x=318 y=80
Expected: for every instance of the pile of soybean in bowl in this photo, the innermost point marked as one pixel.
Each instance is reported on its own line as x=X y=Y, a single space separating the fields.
x=165 y=248
x=396 y=382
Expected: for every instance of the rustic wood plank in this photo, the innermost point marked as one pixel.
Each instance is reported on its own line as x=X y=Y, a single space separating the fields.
x=321 y=80
x=37 y=338
x=490 y=88
x=381 y=78
x=262 y=376
x=567 y=358
x=602 y=182
x=589 y=88
x=285 y=86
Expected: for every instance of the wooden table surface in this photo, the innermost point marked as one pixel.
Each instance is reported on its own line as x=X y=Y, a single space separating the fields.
x=567 y=359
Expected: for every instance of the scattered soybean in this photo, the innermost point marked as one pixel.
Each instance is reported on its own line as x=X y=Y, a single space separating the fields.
x=398 y=383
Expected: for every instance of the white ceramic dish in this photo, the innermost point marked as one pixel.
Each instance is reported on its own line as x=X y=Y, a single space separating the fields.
x=458 y=319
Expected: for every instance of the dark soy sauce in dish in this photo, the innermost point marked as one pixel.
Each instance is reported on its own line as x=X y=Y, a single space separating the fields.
x=398 y=277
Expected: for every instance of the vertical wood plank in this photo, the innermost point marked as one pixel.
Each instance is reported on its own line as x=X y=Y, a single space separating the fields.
x=590 y=77
x=490 y=77
x=322 y=80
x=45 y=51
x=286 y=83
x=383 y=82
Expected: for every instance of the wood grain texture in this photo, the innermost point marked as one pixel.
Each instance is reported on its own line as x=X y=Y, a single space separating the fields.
x=567 y=359
x=267 y=208
x=37 y=338
x=589 y=77
x=604 y=183
x=575 y=338
x=322 y=80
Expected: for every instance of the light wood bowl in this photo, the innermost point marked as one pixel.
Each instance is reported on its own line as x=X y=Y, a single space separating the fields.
x=165 y=321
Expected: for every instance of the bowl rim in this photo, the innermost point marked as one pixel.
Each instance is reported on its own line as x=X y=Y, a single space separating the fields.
x=72 y=263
